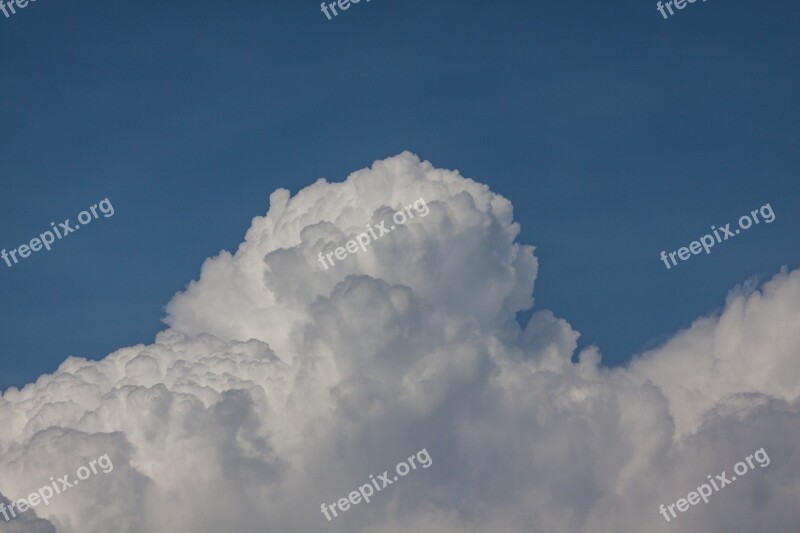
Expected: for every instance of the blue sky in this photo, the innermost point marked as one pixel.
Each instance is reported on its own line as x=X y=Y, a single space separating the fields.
x=616 y=134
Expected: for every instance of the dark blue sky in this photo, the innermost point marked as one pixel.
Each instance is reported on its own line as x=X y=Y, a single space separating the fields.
x=616 y=134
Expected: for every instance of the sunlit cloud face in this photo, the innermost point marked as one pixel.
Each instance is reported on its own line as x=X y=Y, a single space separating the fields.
x=279 y=385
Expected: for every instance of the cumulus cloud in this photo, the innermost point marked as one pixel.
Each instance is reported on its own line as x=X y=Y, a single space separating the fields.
x=278 y=386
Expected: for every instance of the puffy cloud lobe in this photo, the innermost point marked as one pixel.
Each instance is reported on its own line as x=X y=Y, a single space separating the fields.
x=279 y=385
x=751 y=347
x=467 y=240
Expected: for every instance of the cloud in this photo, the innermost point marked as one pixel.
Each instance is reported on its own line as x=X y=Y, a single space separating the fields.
x=751 y=348
x=278 y=386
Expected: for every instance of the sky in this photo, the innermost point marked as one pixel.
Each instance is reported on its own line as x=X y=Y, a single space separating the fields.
x=606 y=133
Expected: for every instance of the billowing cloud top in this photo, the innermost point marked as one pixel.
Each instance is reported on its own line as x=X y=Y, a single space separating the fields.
x=280 y=385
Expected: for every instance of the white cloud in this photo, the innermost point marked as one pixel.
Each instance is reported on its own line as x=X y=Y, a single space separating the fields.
x=279 y=386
